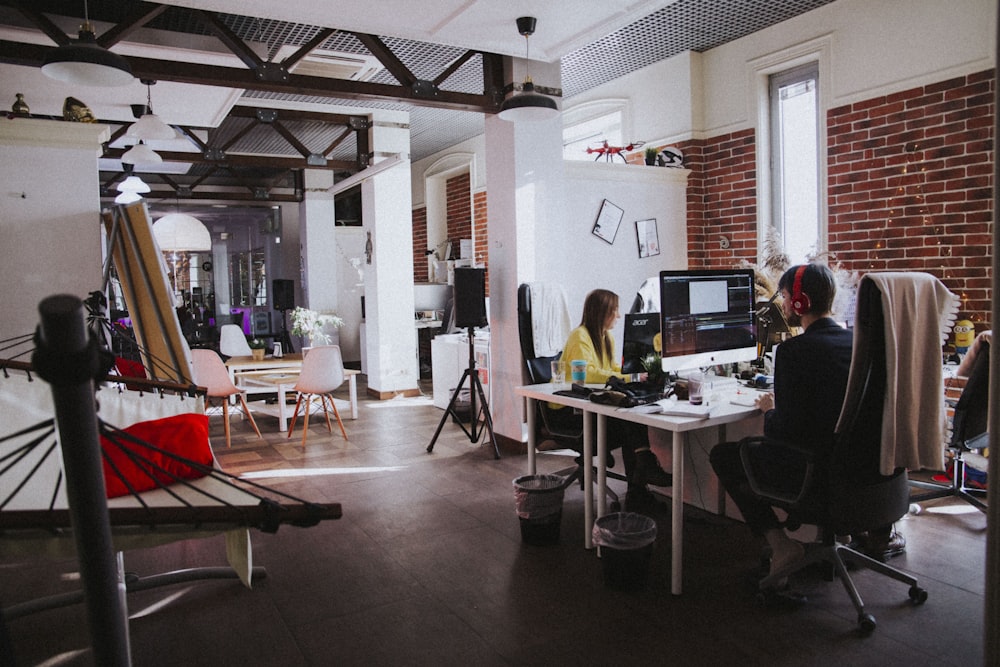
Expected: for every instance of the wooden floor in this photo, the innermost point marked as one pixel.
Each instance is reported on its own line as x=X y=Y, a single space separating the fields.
x=427 y=567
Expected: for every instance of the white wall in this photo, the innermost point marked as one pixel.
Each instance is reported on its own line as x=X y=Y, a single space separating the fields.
x=50 y=225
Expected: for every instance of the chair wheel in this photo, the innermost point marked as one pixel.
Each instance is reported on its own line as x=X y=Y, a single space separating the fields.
x=918 y=595
x=866 y=624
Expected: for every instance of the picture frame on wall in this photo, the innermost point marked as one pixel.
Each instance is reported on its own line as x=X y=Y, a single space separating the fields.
x=649 y=242
x=608 y=220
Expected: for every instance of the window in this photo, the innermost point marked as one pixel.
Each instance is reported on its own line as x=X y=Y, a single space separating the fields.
x=795 y=155
x=590 y=124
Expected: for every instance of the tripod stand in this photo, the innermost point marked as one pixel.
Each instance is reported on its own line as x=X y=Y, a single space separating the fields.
x=283 y=337
x=475 y=389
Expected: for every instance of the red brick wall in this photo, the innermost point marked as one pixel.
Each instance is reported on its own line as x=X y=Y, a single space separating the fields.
x=420 y=270
x=481 y=236
x=911 y=185
x=458 y=211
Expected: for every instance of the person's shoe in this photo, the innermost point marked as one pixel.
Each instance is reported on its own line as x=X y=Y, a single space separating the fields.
x=881 y=549
x=648 y=470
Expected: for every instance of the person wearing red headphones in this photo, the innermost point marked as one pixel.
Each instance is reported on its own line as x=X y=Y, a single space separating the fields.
x=810 y=381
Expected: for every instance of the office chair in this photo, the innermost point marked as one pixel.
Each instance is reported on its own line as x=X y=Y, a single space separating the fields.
x=232 y=341
x=539 y=370
x=210 y=372
x=843 y=491
x=968 y=433
x=322 y=372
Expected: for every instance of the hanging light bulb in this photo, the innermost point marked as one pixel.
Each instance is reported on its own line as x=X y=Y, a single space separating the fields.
x=150 y=127
x=528 y=105
x=180 y=232
x=133 y=184
x=85 y=62
x=141 y=154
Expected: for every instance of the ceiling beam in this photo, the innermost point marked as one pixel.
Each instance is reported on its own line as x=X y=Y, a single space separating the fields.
x=242 y=160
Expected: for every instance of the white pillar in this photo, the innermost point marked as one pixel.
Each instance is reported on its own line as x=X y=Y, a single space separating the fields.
x=318 y=243
x=50 y=225
x=390 y=338
x=524 y=170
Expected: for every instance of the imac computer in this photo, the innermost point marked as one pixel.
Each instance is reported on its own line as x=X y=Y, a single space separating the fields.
x=706 y=318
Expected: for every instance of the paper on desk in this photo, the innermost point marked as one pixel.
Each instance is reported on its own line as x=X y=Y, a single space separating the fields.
x=675 y=408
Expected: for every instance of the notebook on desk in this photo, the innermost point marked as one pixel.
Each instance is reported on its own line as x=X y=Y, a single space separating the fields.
x=674 y=408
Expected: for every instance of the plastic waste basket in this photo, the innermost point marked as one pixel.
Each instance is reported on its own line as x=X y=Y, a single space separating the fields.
x=626 y=540
x=538 y=500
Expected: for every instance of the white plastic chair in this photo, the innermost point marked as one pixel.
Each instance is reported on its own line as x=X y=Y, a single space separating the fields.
x=232 y=342
x=322 y=372
x=210 y=372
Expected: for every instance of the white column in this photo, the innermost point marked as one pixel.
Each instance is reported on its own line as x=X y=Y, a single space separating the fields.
x=524 y=170
x=50 y=225
x=318 y=242
x=387 y=215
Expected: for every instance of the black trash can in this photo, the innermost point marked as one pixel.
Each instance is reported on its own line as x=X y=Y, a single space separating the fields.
x=538 y=501
x=626 y=540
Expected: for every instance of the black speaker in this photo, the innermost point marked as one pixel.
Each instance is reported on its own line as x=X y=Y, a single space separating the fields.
x=284 y=294
x=470 y=297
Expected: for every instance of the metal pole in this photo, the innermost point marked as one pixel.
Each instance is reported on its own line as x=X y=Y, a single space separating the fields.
x=66 y=359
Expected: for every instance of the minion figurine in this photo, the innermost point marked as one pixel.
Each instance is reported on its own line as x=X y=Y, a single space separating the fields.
x=965 y=334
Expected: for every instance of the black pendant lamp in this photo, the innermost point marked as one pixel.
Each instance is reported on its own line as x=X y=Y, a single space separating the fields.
x=528 y=105
x=85 y=62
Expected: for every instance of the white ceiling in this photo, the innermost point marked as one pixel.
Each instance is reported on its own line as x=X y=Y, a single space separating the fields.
x=485 y=25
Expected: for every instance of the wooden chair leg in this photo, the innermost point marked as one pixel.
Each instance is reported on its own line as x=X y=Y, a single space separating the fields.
x=225 y=420
x=305 y=421
x=246 y=411
x=291 y=426
x=326 y=413
x=336 y=413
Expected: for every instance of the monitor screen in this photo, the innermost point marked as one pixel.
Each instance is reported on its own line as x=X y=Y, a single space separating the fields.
x=706 y=318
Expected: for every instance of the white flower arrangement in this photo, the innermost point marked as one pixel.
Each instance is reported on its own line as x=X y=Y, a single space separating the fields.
x=310 y=324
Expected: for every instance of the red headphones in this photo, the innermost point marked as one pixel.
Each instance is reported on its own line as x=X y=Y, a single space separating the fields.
x=800 y=300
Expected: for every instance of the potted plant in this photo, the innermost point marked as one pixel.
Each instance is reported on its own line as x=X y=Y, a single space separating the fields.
x=650 y=154
x=312 y=325
x=257 y=346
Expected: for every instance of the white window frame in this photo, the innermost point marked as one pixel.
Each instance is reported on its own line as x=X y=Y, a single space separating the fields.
x=589 y=111
x=760 y=71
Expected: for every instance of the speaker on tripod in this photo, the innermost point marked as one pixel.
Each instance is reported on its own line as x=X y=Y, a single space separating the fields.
x=470 y=312
x=283 y=298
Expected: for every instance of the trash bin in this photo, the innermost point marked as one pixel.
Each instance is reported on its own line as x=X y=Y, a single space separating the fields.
x=538 y=500
x=626 y=540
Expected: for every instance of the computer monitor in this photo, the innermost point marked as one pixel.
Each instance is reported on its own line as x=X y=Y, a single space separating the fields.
x=706 y=318
x=637 y=343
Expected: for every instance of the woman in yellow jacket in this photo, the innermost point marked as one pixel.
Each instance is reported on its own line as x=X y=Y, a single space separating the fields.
x=592 y=342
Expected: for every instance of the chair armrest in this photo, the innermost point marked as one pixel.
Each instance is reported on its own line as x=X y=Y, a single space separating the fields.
x=750 y=449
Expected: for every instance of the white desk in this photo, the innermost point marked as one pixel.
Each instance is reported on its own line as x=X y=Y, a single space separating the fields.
x=722 y=413
x=279 y=375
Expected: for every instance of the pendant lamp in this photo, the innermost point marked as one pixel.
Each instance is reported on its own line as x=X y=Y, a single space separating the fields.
x=150 y=127
x=180 y=232
x=141 y=154
x=85 y=62
x=528 y=105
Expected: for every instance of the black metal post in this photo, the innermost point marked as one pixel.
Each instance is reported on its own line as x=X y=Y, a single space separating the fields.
x=66 y=359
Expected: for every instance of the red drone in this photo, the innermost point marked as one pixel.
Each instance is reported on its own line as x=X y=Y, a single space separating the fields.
x=609 y=152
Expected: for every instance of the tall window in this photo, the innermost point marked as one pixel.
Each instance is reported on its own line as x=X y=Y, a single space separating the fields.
x=794 y=119
x=589 y=133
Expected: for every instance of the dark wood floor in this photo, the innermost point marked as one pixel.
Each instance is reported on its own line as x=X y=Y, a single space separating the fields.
x=427 y=567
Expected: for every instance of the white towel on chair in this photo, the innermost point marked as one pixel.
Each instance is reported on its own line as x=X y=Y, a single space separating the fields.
x=919 y=312
x=550 y=324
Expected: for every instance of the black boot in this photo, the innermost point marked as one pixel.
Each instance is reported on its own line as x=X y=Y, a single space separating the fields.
x=648 y=470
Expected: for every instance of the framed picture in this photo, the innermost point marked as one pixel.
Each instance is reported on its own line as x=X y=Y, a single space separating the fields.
x=608 y=219
x=649 y=243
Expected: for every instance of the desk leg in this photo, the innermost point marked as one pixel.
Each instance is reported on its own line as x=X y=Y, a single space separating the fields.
x=588 y=481
x=531 y=435
x=677 y=515
x=602 y=471
x=283 y=415
x=352 y=385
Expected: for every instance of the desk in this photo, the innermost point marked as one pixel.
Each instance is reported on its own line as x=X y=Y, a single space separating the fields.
x=723 y=412
x=279 y=376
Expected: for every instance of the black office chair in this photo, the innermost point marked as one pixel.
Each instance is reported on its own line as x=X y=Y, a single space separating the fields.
x=968 y=433
x=568 y=434
x=843 y=491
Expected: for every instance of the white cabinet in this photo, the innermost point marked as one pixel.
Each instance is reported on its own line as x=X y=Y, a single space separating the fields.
x=450 y=358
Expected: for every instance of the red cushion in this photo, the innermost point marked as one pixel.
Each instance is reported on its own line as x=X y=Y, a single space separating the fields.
x=184 y=435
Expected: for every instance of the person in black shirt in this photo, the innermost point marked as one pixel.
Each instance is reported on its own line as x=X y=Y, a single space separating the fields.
x=810 y=381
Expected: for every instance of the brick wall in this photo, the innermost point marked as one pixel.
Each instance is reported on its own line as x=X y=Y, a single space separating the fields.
x=481 y=234
x=911 y=185
x=458 y=211
x=420 y=266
